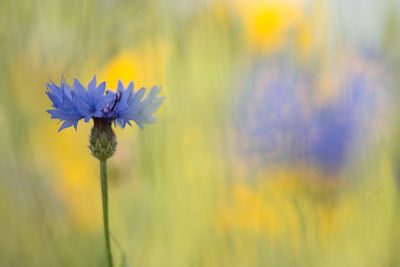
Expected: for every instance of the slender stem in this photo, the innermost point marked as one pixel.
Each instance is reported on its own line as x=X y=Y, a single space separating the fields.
x=104 y=194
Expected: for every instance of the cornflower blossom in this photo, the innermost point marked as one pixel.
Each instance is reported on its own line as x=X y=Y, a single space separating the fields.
x=125 y=105
x=70 y=105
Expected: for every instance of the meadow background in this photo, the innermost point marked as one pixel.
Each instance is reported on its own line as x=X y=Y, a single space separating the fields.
x=277 y=144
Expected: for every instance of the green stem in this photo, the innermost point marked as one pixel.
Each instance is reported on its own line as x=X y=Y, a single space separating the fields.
x=104 y=194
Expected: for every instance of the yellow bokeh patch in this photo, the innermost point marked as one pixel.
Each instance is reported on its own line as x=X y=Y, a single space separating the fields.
x=145 y=65
x=268 y=23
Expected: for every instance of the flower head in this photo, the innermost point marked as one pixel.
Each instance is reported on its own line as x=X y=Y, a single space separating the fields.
x=280 y=127
x=122 y=106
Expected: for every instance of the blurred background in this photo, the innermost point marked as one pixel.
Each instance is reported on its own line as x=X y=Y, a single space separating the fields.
x=277 y=144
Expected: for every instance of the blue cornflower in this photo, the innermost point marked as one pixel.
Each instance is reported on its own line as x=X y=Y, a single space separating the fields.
x=122 y=106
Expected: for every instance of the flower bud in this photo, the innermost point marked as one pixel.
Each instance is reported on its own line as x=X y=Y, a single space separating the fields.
x=102 y=139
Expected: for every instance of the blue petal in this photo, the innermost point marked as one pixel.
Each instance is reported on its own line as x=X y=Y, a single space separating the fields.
x=65 y=124
x=91 y=90
x=79 y=90
x=100 y=90
x=120 y=86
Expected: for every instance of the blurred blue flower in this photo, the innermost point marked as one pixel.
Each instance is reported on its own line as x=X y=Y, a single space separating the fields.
x=122 y=106
x=271 y=117
x=282 y=122
x=334 y=129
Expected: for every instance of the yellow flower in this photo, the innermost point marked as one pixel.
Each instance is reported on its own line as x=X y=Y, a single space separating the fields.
x=145 y=65
x=268 y=25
